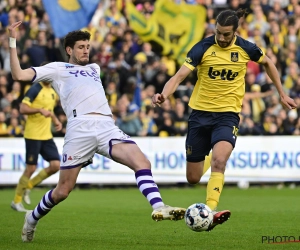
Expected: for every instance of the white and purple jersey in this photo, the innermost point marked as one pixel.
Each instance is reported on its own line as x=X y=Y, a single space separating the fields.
x=79 y=87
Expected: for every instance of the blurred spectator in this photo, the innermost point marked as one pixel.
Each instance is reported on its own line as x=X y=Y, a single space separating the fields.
x=167 y=128
x=234 y=4
x=257 y=104
x=292 y=75
x=128 y=119
x=37 y=52
x=14 y=129
x=14 y=113
x=3 y=125
x=279 y=121
x=297 y=127
x=113 y=16
x=248 y=127
x=259 y=21
x=149 y=127
x=250 y=80
x=16 y=90
x=289 y=124
x=112 y=95
x=6 y=104
x=274 y=106
x=147 y=50
x=257 y=38
x=99 y=13
x=4 y=54
x=146 y=96
x=102 y=28
x=269 y=125
x=160 y=78
x=3 y=86
x=180 y=118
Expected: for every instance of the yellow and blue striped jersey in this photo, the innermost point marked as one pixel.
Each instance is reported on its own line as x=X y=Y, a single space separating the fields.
x=37 y=126
x=221 y=73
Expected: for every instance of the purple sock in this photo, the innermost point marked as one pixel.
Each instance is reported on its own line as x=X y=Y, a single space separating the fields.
x=44 y=207
x=148 y=187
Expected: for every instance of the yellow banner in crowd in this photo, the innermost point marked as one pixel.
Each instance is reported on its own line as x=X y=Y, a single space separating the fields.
x=175 y=27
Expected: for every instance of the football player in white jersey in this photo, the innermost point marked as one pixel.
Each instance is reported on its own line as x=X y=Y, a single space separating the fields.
x=91 y=128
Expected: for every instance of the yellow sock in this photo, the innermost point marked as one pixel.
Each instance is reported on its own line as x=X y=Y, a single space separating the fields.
x=42 y=175
x=20 y=189
x=214 y=189
x=206 y=163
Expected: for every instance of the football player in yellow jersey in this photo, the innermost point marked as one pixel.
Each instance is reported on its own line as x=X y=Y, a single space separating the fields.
x=38 y=103
x=216 y=101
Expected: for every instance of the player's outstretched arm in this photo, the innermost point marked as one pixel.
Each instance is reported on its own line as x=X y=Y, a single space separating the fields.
x=272 y=72
x=171 y=85
x=16 y=71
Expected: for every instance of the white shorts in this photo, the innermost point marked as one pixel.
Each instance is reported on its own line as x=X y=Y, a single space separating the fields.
x=87 y=135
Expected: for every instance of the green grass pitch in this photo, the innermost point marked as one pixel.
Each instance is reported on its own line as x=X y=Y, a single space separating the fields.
x=119 y=218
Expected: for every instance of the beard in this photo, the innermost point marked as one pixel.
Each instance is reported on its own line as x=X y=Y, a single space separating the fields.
x=81 y=62
x=223 y=44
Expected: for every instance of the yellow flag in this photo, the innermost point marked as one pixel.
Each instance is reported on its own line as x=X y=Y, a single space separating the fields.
x=175 y=27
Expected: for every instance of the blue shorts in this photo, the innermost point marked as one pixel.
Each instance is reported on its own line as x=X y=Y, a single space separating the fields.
x=47 y=149
x=205 y=129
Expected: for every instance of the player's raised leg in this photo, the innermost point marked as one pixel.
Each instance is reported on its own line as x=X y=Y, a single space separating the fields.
x=130 y=155
x=219 y=218
x=67 y=180
x=221 y=153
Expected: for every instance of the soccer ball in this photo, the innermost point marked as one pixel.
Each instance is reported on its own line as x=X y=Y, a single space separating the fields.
x=198 y=217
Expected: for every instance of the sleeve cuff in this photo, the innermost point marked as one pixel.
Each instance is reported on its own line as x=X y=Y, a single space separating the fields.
x=191 y=67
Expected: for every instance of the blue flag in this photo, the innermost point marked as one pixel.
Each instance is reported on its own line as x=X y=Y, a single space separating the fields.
x=69 y=15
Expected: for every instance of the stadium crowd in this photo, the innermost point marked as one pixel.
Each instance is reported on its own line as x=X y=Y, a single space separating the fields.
x=133 y=70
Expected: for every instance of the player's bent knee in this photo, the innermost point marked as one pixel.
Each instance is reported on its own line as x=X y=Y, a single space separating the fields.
x=54 y=167
x=193 y=179
x=218 y=165
x=145 y=164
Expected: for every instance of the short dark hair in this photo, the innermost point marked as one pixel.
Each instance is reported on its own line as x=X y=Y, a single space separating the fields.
x=72 y=37
x=230 y=17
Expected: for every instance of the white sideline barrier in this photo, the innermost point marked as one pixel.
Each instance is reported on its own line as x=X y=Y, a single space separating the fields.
x=255 y=159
